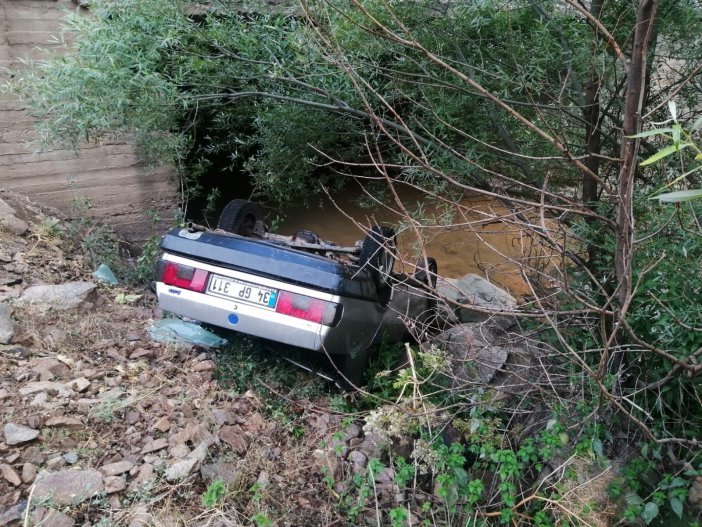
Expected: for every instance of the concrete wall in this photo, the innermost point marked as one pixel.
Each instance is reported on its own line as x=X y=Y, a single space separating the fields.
x=108 y=176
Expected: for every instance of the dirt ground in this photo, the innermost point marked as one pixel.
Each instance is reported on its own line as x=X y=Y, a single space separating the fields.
x=104 y=426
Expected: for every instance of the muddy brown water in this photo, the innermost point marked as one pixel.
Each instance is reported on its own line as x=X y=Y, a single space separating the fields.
x=476 y=241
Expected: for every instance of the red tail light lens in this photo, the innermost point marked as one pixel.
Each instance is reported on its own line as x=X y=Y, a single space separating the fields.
x=307 y=308
x=184 y=276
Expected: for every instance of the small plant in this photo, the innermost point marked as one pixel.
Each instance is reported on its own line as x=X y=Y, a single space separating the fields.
x=51 y=228
x=109 y=409
x=398 y=516
x=261 y=519
x=214 y=494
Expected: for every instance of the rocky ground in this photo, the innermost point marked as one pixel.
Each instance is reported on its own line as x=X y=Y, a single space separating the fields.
x=105 y=424
x=101 y=425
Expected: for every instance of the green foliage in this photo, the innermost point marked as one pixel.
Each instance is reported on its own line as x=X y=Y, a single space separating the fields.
x=646 y=497
x=198 y=89
x=214 y=494
x=261 y=519
x=680 y=139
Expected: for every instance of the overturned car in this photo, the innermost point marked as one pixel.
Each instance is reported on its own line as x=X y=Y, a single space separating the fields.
x=298 y=291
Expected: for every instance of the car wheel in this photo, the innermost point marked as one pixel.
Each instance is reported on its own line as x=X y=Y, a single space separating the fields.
x=425 y=271
x=239 y=216
x=378 y=255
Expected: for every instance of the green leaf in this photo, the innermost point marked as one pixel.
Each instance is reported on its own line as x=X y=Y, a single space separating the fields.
x=677 y=130
x=650 y=512
x=677 y=197
x=677 y=506
x=649 y=133
x=664 y=153
x=698 y=124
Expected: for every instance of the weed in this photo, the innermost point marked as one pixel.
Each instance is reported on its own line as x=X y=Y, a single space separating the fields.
x=214 y=494
x=261 y=519
x=51 y=228
x=110 y=408
x=398 y=516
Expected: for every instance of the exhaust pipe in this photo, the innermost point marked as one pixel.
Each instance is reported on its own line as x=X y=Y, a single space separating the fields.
x=195 y=227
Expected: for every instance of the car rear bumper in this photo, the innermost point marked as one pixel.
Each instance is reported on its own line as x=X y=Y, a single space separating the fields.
x=352 y=333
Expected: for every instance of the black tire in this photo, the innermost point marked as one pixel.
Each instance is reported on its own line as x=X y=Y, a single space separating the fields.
x=239 y=216
x=425 y=271
x=378 y=256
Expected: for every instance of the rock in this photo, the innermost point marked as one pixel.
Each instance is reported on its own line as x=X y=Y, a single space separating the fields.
x=64 y=422
x=46 y=375
x=52 y=517
x=52 y=388
x=19 y=352
x=40 y=400
x=205 y=365
x=154 y=445
x=17 y=434
x=178 y=451
x=10 y=475
x=114 y=484
x=234 y=437
x=180 y=469
x=9 y=221
x=221 y=417
x=115 y=469
x=386 y=476
x=35 y=421
x=68 y=487
x=255 y=423
x=355 y=442
x=358 y=461
x=145 y=476
x=350 y=432
x=70 y=295
x=475 y=357
x=70 y=457
x=199 y=433
x=475 y=290
x=373 y=446
x=200 y=452
x=141 y=353
x=13 y=514
x=133 y=417
x=33 y=455
x=7 y=326
x=51 y=366
x=29 y=472
x=79 y=385
x=55 y=462
x=230 y=473
x=163 y=424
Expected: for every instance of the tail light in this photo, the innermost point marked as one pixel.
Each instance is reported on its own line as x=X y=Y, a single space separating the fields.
x=307 y=308
x=181 y=276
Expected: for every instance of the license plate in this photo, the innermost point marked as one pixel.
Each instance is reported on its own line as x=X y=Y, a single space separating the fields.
x=242 y=291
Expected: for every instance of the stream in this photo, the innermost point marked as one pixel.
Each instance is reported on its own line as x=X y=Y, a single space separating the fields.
x=475 y=242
